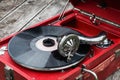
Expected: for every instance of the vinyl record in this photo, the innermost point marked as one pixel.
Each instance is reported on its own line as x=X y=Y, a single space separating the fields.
x=36 y=48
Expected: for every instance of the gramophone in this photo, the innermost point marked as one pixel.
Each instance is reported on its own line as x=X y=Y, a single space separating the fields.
x=79 y=44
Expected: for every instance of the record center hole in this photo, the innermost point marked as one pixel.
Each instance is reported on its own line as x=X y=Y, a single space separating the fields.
x=48 y=42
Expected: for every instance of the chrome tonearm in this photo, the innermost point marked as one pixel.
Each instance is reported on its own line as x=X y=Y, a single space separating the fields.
x=92 y=40
x=69 y=44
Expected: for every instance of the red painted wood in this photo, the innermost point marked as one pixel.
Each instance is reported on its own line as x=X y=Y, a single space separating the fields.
x=2 y=73
x=108 y=13
x=111 y=12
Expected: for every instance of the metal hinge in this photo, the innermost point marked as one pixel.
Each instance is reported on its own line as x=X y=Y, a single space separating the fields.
x=95 y=18
x=8 y=73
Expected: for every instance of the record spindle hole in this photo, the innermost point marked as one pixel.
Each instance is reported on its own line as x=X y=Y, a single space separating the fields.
x=48 y=42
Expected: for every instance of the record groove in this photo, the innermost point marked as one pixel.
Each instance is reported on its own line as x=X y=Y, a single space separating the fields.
x=23 y=50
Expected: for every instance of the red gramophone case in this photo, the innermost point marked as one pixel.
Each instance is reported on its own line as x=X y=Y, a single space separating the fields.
x=89 y=17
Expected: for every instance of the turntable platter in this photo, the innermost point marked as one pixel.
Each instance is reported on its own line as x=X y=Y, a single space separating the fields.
x=36 y=49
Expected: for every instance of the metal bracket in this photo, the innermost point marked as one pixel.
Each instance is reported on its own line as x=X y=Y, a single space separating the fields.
x=8 y=73
x=92 y=73
x=2 y=50
x=105 y=44
x=80 y=77
x=94 y=20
